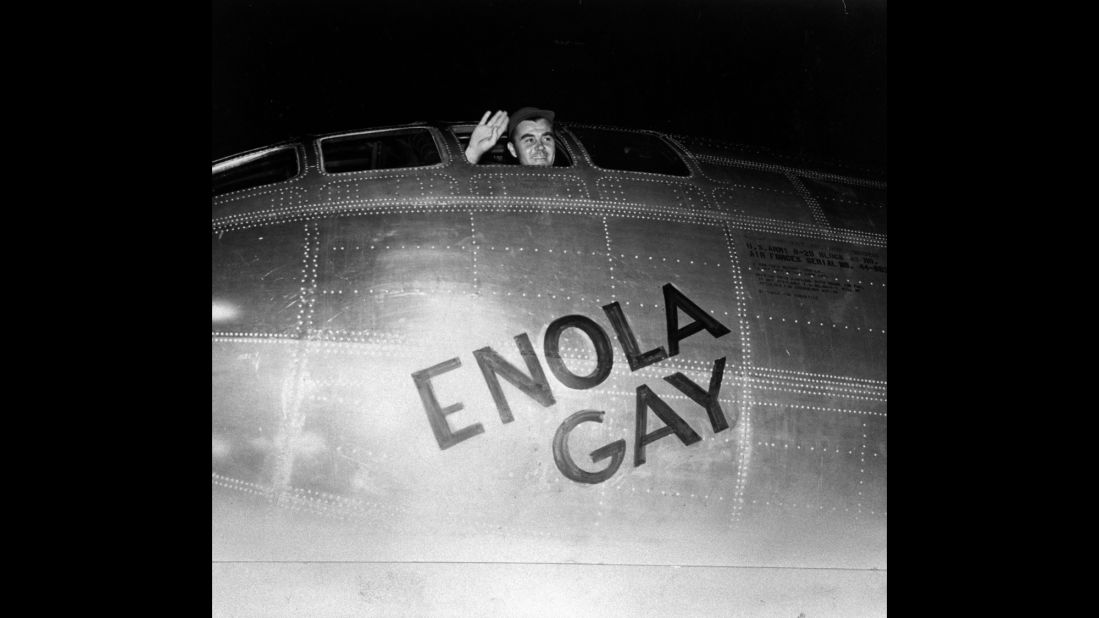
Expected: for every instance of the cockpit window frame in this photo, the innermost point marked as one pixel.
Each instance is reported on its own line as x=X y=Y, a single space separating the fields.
x=684 y=158
x=244 y=158
x=557 y=136
x=436 y=137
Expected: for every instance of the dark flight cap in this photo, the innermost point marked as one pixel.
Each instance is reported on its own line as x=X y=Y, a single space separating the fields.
x=526 y=113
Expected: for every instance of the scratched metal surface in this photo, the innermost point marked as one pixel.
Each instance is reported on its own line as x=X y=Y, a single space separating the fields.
x=331 y=291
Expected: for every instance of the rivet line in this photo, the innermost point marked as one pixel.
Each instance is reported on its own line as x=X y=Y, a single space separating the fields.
x=585 y=207
x=808 y=322
x=779 y=404
x=745 y=422
x=473 y=241
x=814 y=207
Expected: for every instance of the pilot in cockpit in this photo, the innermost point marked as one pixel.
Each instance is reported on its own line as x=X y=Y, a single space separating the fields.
x=529 y=131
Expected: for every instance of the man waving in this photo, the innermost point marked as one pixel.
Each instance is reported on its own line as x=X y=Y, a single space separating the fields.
x=530 y=136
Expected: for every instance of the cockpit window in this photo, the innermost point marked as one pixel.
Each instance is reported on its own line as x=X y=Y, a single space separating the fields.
x=255 y=169
x=379 y=150
x=499 y=154
x=632 y=152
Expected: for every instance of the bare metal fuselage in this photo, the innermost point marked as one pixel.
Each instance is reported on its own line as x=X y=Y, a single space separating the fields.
x=356 y=419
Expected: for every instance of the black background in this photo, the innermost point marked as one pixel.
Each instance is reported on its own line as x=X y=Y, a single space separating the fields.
x=803 y=78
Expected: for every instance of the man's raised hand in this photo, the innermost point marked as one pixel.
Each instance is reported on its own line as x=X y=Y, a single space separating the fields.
x=485 y=135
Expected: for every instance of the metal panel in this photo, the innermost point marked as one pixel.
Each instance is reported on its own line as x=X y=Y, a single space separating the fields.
x=857 y=208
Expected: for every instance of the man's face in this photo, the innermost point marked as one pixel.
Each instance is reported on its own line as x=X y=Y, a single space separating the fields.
x=533 y=143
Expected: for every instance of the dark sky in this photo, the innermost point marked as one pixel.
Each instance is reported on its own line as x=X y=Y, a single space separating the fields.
x=804 y=78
